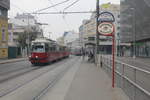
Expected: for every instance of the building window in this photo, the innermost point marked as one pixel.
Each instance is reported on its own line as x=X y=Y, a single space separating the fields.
x=0 y=12
x=3 y=12
x=3 y=34
x=91 y=38
x=9 y=26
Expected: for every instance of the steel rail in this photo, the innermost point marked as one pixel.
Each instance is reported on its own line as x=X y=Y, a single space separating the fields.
x=51 y=83
x=21 y=85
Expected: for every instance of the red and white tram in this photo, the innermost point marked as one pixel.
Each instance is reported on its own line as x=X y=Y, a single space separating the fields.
x=46 y=50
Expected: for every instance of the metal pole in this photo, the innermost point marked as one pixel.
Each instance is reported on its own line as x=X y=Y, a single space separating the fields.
x=28 y=35
x=97 y=34
x=113 y=60
x=134 y=32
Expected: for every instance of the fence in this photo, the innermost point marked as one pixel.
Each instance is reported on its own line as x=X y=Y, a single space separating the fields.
x=134 y=81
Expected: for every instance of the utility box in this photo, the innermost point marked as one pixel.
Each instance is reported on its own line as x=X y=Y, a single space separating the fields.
x=12 y=52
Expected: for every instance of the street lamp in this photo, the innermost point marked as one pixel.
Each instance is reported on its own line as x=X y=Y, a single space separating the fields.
x=134 y=31
x=97 y=35
x=28 y=28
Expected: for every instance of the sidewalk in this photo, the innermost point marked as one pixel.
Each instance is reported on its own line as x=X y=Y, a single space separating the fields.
x=85 y=81
x=3 y=61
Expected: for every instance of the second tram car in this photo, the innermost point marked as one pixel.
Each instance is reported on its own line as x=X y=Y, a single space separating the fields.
x=46 y=50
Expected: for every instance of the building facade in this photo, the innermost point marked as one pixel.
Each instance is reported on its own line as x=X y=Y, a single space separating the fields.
x=81 y=40
x=60 y=40
x=87 y=31
x=4 y=7
x=70 y=36
x=20 y=25
x=23 y=23
x=71 y=40
x=135 y=23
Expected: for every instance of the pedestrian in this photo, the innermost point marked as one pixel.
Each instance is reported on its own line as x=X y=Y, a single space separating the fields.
x=90 y=56
x=83 y=54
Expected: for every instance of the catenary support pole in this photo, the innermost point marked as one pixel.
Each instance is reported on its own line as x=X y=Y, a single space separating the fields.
x=113 y=60
x=97 y=34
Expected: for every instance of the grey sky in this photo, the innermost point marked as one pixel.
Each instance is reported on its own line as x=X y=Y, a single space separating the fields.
x=57 y=25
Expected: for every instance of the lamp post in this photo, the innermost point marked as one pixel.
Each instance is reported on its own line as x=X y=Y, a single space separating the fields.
x=28 y=39
x=134 y=32
x=97 y=34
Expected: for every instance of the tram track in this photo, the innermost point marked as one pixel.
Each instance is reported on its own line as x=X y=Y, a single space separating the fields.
x=52 y=82
x=10 y=71
x=15 y=73
x=55 y=65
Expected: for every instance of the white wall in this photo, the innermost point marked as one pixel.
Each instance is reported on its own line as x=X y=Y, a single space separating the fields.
x=70 y=37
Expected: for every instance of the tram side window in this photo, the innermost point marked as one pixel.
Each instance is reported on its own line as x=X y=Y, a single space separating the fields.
x=53 y=48
x=38 y=48
x=57 y=48
x=60 y=49
x=46 y=48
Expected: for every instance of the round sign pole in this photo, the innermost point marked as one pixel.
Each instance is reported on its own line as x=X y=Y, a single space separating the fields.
x=113 y=60
x=108 y=29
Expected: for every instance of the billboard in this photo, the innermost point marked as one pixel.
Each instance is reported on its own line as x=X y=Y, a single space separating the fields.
x=5 y=4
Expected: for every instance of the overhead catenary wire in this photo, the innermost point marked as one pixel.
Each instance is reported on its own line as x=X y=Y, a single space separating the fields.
x=66 y=13
x=70 y=5
x=51 y=6
x=73 y=12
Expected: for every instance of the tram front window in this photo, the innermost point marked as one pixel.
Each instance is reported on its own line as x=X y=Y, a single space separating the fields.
x=38 y=48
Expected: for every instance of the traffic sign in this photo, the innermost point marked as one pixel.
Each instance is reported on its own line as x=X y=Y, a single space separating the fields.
x=106 y=28
x=106 y=17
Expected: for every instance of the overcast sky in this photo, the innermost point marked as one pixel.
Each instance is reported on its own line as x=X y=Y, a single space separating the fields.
x=57 y=24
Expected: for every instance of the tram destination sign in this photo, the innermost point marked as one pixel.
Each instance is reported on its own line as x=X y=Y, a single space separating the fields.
x=106 y=17
x=106 y=28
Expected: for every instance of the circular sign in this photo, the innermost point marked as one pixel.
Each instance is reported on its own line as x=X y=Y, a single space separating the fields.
x=106 y=28
x=106 y=17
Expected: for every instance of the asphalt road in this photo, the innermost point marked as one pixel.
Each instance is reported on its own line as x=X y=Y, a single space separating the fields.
x=10 y=67
x=29 y=83
x=11 y=70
